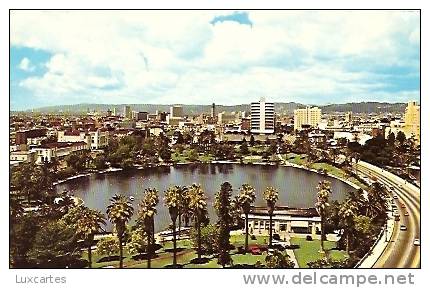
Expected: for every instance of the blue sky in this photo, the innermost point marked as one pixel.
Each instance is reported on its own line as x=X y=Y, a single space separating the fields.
x=200 y=57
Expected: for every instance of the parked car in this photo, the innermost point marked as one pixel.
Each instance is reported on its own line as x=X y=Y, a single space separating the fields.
x=417 y=242
x=403 y=227
x=403 y=205
x=396 y=197
x=406 y=213
x=255 y=251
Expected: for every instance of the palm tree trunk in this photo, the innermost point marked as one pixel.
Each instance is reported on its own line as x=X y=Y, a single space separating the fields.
x=270 y=230
x=174 y=243
x=179 y=226
x=322 y=231
x=89 y=256
x=153 y=231
x=347 y=243
x=246 y=232
x=149 y=249
x=120 y=252
x=199 y=239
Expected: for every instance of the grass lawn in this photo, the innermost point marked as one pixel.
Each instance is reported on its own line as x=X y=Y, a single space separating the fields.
x=207 y=158
x=295 y=158
x=239 y=240
x=309 y=251
x=185 y=256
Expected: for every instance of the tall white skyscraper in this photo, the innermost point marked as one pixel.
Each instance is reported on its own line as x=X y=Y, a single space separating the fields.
x=262 y=117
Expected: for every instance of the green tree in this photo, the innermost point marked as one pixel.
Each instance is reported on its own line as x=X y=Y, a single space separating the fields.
x=251 y=141
x=322 y=205
x=108 y=246
x=246 y=198
x=401 y=137
x=21 y=238
x=86 y=223
x=208 y=238
x=271 y=196
x=119 y=213
x=278 y=260
x=197 y=204
x=222 y=206
x=244 y=150
x=55 y=246
x=172 y=200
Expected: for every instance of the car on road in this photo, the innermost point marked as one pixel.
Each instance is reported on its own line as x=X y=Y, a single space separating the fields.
x=406 y=213
x=417 y=242
x=403 y=227
x=396 y=216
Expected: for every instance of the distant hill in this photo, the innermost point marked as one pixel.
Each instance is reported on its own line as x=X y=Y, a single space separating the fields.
x=281 y=108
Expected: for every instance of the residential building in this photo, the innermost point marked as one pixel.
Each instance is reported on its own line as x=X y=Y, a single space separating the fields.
x=307 y=116
x=46 y=152
x=22 y=156
x=262 y=117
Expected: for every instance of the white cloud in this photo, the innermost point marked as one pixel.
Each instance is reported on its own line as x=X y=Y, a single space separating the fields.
x=25 y=65
x=175 y=56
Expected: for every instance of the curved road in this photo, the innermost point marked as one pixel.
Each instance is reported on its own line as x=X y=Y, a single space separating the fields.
x=400 y=252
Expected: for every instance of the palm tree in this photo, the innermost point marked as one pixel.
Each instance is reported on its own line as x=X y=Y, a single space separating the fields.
x=271 y=195
x=183 y=206
x=172 y=200
x=119 y=213
x=324 y=191
x=88 y=224
x=197 y=205
x=347 y=212
x=377 y=200
x=147 y=210
x=246 y=198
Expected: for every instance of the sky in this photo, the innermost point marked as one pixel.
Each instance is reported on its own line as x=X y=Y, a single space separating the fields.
x=201 y=57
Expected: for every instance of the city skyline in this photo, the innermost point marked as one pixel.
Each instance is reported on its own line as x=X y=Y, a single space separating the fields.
x=226 y=57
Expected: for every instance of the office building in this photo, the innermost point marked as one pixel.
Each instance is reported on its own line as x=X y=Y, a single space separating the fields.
x=213 y=110
x=140 y=116
x=412 y=120
x=127 y=112
x=176 y=111
x=262 y=117
x=309 y=117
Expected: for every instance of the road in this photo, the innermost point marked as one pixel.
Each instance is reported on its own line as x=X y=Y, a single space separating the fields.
x=400 y=252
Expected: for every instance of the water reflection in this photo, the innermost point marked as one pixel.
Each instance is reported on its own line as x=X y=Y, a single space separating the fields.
x=297 y=187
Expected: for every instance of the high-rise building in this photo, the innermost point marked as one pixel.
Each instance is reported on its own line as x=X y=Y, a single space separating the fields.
x=262 y=117
x=139 y=116
x=412 y=120
x=307 y=116
x=348 y=117
x=176 y=111
x=213 y=110
x=127 y=112
x=114 y=111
